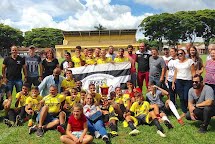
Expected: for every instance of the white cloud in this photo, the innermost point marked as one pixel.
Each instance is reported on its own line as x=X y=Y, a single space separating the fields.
x=67 y=14
x=178 y=5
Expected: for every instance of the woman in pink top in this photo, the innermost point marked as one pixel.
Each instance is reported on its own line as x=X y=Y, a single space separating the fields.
x=210 y=70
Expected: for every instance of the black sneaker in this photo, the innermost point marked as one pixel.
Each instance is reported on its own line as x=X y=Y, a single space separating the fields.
x=32 y=129
x=18 y=121
x=168 y=124
x=203 y=129
x=8 y=122
x=106 y=139
x=40 y=132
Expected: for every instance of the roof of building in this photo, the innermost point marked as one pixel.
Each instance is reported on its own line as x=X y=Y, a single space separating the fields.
x=101 y=32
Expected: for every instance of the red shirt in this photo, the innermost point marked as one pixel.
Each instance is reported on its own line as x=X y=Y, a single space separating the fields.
x=131 y=94
x=77 y=124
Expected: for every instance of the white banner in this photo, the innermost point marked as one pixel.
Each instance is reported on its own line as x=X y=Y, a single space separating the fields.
x=111 y=74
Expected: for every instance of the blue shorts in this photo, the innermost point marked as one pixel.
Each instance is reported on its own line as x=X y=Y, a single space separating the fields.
x=49 y=118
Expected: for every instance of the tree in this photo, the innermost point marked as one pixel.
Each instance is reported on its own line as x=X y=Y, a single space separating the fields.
x=100 y=27
x=10 y=36
x=43 y=37
x=151 y=43
x=207 y=27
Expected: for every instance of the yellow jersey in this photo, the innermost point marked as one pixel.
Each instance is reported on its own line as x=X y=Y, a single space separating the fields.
x=22 y=99
x=118 y=59
x=34 y=101
x=139 y=109
x=104 y=61
x=71 y=101
x=77 y=61
x=124 y=98
x=68 y=83
x=54 y=103
x=90 y=61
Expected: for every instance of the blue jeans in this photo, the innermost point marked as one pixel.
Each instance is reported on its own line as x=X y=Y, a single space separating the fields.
x=172 y=93
x=134 y=78
x=182 y=89
x=155 y=81
x=96 y=126
x=17 y=83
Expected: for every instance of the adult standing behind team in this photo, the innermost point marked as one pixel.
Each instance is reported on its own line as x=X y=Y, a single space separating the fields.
x=33 y=64
x=49 y=63
x=182 y=81
x=210 y=70
x=157 y=68
x=133 y=65
x=12 y=70
x=111 y=53
x=143 y=65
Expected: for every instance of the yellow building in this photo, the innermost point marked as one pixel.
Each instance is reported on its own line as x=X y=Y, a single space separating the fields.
x=94 y=39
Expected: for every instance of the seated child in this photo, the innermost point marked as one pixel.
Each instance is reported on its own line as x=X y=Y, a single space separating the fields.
x=139 y=114
x=16 y=116
x=32 y=107
x=76 y=131
x=154 y=97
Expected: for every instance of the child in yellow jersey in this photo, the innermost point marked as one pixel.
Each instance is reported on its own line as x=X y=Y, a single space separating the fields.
x=90 y=60
x=68 y=82
x=96 y=96
x=140 y=114
x=16 y=116
x=83 y=97
x=78 y=58
x=47 y=118
x=103 y=59
x=72 y=99
x=33 y=104
x=123 y=100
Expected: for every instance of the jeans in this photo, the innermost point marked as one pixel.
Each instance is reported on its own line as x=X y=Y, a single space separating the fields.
x=140 y=78
x=96 y=126
x=155 y=81
x=18 y=84
x=182 y=89
x=172 y=93
x=203 y=114
x=33 y=80
x=134 y=78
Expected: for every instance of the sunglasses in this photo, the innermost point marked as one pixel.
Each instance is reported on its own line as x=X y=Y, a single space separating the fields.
x=180 y=54
x=196 y=82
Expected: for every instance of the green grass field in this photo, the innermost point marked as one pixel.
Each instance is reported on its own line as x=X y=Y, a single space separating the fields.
x=186 y=134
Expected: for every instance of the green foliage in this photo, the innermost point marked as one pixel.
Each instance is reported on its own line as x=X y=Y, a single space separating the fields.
x=150 y=43
x=9 y=36
x=43 y=37
x=180 y=26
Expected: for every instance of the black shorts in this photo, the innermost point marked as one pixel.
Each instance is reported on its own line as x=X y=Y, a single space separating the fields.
x=141 y=119
x=164 y=110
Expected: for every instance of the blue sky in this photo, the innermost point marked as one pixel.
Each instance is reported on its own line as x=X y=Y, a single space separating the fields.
x=85 y=14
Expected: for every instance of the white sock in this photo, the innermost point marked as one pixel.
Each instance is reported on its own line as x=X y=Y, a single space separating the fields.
x=173 y=109
x=165 y=118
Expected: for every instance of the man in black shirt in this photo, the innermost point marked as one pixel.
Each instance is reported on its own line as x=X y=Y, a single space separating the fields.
x=12 y=70
x=142 y=59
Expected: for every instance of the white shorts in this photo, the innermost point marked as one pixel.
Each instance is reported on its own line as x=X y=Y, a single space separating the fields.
x=77 y=133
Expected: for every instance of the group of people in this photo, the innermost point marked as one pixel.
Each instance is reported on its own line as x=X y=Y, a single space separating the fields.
x=57 y=101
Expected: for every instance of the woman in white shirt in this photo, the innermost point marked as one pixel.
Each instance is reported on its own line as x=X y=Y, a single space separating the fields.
x=182 y=80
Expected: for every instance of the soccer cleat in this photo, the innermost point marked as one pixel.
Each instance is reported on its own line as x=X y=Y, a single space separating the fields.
x=161 y=133
x=40 y=132
x=32 y=129
x=8 y=122
x=134 y=132
x=18 y=121
x=61 y=129
x=181 y=122
x=113 y=133
x=106 y=139
x=30 y=123
x=168 y=124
